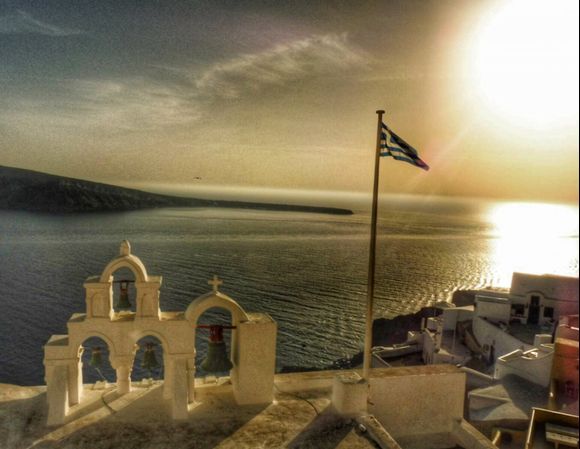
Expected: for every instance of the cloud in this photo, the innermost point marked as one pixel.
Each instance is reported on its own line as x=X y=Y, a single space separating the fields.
x=143 y=103
x=114 y=106
x=134 y=104
x=23 y=23
x=306 y=58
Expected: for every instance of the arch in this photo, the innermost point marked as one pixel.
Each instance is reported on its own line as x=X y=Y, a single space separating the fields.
x=535 y=293
x=139 y=334
x=211 y=300
x=106 y=370
x=131 y=262
x=161 y=356
x=79 y=340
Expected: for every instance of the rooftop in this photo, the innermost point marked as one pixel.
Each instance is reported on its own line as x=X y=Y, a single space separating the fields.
x=301 y=416
x=510 y=402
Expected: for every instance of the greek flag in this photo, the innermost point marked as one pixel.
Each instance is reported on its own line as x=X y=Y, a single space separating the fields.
x=392 y=145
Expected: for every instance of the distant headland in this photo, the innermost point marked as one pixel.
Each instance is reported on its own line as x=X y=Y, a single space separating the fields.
x=32 y=191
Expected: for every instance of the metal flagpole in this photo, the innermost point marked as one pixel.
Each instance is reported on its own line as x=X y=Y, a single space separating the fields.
x=372 y=253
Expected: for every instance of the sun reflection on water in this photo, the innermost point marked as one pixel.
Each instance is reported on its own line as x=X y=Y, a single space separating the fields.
x=533 y=238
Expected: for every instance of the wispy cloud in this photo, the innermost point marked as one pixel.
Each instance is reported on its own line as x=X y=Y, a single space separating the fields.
x=116 y=106
x=134 y=104
x=315 y=56
x=142 y=103
x=21 y=22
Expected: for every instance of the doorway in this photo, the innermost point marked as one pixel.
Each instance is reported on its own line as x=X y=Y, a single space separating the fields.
x=534 y=313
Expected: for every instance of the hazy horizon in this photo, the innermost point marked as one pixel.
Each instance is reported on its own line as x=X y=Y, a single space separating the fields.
x=356 y=200
x=360 y=201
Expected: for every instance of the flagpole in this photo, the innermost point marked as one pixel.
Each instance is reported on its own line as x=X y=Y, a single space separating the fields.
x=372 y=254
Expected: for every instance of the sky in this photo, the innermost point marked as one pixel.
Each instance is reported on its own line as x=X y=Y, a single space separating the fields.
x=198 y=96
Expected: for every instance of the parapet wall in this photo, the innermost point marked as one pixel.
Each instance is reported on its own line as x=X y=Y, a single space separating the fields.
x=418 y=400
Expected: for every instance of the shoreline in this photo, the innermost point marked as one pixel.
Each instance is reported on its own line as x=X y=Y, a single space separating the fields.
x=390 y=331
x=386 y=332
x=31 y=191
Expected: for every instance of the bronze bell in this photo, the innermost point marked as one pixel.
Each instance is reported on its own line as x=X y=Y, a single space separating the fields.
x=149 y=359
x=217 y=360
x=124 y=303
x=96 y=357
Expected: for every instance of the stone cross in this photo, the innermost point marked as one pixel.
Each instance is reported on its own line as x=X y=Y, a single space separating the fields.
x=125 y=249
x=215 y=283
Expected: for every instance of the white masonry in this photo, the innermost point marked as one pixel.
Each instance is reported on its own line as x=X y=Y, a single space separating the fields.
x=253 y=348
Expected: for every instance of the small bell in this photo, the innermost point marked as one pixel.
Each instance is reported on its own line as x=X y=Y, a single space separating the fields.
x=149 y=359
x=124 y=303
x=96 y=357
x=217 y=360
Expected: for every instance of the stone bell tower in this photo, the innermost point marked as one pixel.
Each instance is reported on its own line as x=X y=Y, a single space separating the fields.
x=253 y=343
x=99 y=290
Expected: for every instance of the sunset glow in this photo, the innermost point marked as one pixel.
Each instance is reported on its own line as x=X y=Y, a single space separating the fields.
x=529 y=237
x=526 y=62
x=372 y=205
x=283 y=96
x=522 y=221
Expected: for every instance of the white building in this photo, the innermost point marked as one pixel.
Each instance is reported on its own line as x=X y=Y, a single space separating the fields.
x=511 y=331
x=543 y=299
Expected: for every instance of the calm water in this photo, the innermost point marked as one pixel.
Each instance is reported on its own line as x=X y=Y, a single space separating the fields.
x=306 y=270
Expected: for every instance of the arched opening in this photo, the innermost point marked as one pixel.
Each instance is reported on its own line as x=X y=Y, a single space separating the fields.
x=96 y=364
x=124 y=291
x=211 y=356
x=149 y=363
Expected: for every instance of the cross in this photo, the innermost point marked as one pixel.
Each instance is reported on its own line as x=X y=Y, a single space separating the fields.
x=215 y=283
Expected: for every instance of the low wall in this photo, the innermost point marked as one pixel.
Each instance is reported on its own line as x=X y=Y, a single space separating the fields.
x=488 y=333
x=306 y=381
x=534 y=369
x=417 y=400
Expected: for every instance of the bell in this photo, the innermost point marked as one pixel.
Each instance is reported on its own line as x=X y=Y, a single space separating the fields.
x=149 y=360
x=217 y=360
x=124 y=302
x=96 y=357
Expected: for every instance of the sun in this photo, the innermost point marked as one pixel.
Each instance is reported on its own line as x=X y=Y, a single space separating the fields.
x=525 y=61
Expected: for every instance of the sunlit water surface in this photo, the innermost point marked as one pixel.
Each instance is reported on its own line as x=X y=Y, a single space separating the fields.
x=308 y=271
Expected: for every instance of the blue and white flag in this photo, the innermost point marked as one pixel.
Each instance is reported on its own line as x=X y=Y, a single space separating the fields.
x=392 y=145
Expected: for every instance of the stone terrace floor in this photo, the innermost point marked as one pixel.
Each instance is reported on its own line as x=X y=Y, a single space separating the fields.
x=141 y=420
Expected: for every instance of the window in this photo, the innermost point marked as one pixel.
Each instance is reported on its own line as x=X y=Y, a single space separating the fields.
x=518 y=309
x=548 y=312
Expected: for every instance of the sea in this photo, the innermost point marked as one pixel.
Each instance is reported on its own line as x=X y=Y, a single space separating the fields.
x=307 y=270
